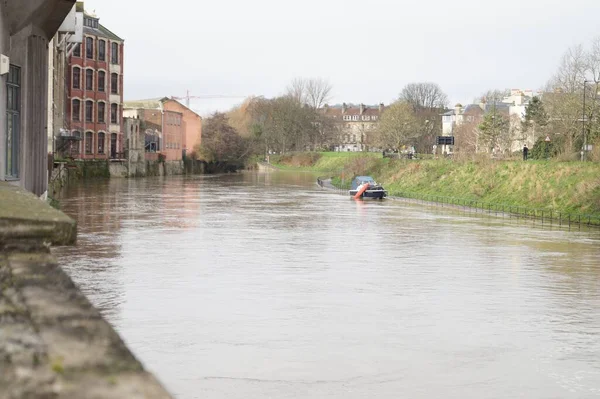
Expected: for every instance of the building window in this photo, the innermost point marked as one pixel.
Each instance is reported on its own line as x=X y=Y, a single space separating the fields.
x=89 y=79
x=355 y=117
x=114 y=113
x=89 y=142
x=101 y=80
x=114 y=83
x=101 y=50
x=77 y=78
x=113 y=145
x=374 y=118
x=95 y=23
x=76 y=111
x=366 y=118
x=89 y=47
x=13 y=131
x=75 y=146
x=114 y=53
x=77 y=51
x=89 y=111
x=347 y=117
x=101 y=112
x=101 y=138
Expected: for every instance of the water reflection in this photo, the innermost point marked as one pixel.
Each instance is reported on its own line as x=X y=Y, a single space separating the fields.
x=264 y=285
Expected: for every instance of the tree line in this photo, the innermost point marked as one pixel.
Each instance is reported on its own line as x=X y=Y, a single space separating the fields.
x=559 y=121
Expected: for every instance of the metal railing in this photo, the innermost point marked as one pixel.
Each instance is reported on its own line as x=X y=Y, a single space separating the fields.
x=544 y=215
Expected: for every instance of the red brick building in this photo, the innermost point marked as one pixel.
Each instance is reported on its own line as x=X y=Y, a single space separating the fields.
x=95 y=92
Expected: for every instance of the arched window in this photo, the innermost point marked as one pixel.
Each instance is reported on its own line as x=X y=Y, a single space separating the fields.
x=89 y=142
x=75 y=146
x=101 y=50
x=101 y=81
x=77 y=51
x=101 y=112
x=101 y=140
x=113 y=145
x=89 y=111
x=114 y=53
x=114 y=113
x=89 y=79
x=76 y=110
x=89 y=47
x=114 y=83
x=76 y=78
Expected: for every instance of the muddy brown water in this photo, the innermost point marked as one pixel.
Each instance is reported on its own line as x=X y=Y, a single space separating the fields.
x=266 y=286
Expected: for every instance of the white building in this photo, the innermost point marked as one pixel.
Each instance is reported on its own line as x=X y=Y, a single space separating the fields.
x=513 y=105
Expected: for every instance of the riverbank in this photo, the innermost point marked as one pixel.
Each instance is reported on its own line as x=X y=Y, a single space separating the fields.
x=570 y=187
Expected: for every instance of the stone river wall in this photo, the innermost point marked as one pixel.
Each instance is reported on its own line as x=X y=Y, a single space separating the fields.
x=53 y=342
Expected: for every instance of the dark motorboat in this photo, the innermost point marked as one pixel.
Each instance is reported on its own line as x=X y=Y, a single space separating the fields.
x=366 y=187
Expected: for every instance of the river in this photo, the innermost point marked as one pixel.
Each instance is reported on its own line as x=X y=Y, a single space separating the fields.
x=266 y=286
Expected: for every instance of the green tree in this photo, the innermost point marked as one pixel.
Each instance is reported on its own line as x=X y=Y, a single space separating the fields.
x=494 y=130
x=398 y=126
x=535 y=119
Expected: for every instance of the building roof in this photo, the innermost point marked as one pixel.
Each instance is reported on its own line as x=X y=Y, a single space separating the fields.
x=101 y=31
x=336 y=110
x=151 y=103
x=154 y=103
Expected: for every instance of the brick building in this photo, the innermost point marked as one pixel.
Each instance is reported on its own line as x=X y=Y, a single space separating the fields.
x=95 y=92
x=192 y=124
x=163 y=129
x=170 y=127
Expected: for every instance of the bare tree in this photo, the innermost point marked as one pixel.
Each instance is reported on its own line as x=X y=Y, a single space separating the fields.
x=572 y=70
x=315 y=92
x=297 y=90
x=318 y=92
x=424 y=95
x=492 y=96
x=466 y=137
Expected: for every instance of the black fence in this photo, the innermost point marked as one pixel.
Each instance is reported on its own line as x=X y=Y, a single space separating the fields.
x=544 y=215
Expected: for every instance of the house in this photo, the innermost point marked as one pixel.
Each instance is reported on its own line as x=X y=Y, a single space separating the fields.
x=93 y=124
x=26 y=28
x=355 y=124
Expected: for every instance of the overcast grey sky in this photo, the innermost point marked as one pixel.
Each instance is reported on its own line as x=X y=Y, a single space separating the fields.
x=368 y=50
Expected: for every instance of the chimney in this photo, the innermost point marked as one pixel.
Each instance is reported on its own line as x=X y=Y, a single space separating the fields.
x=458 y=109
x=344 y=108
x=380 y=107
x=482 y=104
x=362 y=108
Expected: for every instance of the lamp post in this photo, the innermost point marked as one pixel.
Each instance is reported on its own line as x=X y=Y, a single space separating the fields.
x=583 y=124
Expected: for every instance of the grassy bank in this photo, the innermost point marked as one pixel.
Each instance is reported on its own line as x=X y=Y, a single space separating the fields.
x=558 y=186
x=319 y=161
